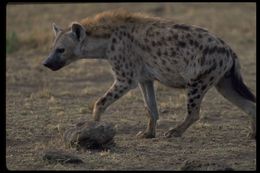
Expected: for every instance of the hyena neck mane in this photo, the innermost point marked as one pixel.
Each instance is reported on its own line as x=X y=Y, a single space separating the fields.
x=103 y=24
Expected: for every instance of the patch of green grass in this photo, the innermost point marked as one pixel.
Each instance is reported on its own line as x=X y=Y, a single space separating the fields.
x=11 y=42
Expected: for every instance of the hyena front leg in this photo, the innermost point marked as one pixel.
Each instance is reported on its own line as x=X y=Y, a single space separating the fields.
x=117 y=90
x=195 y=96
x=151 y=106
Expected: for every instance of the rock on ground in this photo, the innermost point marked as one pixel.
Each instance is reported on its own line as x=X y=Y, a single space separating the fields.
x=197 y=165
x=90 y=135
x=57 y=156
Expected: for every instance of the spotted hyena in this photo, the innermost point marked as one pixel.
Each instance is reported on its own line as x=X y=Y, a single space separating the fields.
x=142 y=49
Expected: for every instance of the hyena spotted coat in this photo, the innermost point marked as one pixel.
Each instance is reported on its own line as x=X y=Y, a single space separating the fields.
x=142 y=49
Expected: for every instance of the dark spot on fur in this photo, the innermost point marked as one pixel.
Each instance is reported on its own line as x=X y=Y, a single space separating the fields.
x=188 y=35
x=163 y=39
x=103 y=100
x=186 y=61
x=221 y=50
x=117 y=67
x=197 y=97
x=174 y=61
x=165 y=53
x=148 y=48
x=159 y=43
x=116 y=96
x=181 y=26
x=175 y=36
x=159 y=52
x=209 y=39
x=129 y=81
x=113 y=40
x=120 y=80
x=228 y=53
x=211 y=78
x=163 y=62
x=128 y=35
x=193 y=105
x=220 y=63
x=182 y=44
x=194 y=91
x=173 y=53
x=153 y=43
x=205 y=51
x=109 y=94
x=155 y=62
x=202 y=60
x=133 y=29
x=191 y=42
x=212 y=50
x=204 y=87
x=233 y=54
x=196 y=44
x=194 y=84
x=112 y=47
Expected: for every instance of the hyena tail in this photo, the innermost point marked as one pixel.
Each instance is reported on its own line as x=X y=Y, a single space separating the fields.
x=237 y=81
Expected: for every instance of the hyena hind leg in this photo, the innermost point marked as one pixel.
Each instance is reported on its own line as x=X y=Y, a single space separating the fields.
x=196 y=93
x=228 y=90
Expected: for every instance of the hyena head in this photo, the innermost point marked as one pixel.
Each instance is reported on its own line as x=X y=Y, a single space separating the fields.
x=66 y=45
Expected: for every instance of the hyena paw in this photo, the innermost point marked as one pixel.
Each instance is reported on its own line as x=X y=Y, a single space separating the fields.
x=145 y=134
x=173 y=132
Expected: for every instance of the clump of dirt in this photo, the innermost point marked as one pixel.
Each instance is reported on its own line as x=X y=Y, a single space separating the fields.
x=196 y=165
x=57 y=156
x=90 y=135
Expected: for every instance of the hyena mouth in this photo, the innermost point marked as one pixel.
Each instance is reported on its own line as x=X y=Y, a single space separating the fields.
x=53 y=66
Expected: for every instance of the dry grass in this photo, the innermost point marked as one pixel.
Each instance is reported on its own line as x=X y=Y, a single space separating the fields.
x=41 y=104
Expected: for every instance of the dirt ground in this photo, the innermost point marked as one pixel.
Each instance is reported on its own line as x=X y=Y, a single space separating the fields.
x=42 y=104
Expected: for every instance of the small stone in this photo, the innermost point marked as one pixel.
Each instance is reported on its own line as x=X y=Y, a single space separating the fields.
x=57 y=156
x=196 y=165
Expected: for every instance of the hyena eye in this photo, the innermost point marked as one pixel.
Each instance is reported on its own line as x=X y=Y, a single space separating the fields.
x=60 y=50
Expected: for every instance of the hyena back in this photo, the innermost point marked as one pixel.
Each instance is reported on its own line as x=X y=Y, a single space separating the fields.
x=142 y=49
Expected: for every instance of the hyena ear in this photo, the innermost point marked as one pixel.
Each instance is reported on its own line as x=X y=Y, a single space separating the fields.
x=78 y=30
x=56 y=29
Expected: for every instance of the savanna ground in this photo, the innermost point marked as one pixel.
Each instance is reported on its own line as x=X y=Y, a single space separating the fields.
x=42 y=104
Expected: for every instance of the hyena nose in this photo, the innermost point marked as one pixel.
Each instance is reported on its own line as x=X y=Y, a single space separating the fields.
x=45 y=63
